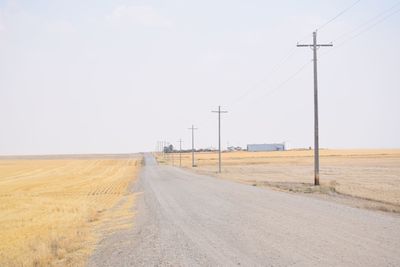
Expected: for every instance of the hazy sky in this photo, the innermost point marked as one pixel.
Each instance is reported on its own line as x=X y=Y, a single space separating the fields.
x=116 y=76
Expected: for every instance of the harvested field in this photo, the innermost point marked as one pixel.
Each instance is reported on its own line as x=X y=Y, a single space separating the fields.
x=52 y=212
x=365 y=174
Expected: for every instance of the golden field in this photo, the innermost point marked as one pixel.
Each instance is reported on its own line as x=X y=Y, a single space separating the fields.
x=53 y=211
x=366 y=174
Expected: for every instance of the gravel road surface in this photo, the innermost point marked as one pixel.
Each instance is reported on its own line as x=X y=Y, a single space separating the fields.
x=185 y=219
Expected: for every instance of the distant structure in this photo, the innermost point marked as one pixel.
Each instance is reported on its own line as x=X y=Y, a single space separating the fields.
x=234 y=148
x=265 y=147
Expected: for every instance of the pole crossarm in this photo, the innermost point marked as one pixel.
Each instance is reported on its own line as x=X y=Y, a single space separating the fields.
x=192 y=128
x=311 y=45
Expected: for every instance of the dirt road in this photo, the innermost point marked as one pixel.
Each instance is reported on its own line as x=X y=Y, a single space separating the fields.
x=184 y=219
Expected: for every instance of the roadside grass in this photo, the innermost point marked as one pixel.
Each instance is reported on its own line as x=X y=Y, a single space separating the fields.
x=368 y=174
x=53 y=212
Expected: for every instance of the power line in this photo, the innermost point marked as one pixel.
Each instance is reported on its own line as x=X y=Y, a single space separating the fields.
x=279 y=65
x=338 y=15
x=340 y=44
x=291 y=77
x=371 y=20
x=287 y=80
x=365 y=27
x=274 y=70
x=306 y=64
x=373 y=25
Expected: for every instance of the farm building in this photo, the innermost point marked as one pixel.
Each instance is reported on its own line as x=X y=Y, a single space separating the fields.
x=266 y=147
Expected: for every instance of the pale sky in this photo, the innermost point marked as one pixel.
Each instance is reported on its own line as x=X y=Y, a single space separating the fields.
x=117 y=76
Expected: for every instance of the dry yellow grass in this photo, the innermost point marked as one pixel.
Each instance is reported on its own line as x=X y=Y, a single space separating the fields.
x=368 y=174
x=52 y=212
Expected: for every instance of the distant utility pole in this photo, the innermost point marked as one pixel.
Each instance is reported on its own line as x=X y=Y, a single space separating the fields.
x=180 y=152
x=192 y=128
x=163 y=148
x=219 y=111
x=173 y=157
x=314 y=46
x=167 y=152
x=159 y=147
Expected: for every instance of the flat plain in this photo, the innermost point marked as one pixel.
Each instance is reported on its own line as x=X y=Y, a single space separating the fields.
x=54 y=211
x=189 y=219
x=364 y=174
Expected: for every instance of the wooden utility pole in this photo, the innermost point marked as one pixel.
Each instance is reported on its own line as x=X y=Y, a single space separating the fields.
x=219 y=111
x=192 y=128
x=173 y=156
x=180 y=152
x=314 y=46
x=163 y=149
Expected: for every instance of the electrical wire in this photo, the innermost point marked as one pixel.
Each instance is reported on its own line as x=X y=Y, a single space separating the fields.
x=338 y=15
x=287 y=80
x=279 y=65
x=365 y=27
x=274 y=70
x=365 y=24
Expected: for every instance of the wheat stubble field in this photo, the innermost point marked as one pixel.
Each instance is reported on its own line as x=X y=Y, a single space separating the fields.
x=53 y=211
x=364 y=174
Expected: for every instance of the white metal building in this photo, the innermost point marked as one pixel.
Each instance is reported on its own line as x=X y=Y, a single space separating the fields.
x=266 y=147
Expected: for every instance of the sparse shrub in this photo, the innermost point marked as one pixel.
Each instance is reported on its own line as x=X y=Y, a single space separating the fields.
x=332 y=186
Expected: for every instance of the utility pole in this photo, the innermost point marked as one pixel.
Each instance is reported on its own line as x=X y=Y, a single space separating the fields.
x=180 y=152
x=192 y=128
x=314 y=46
x=219 y=111
x=173 y=157
x=163 y=148
x=159 y=148
x=168 y=153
